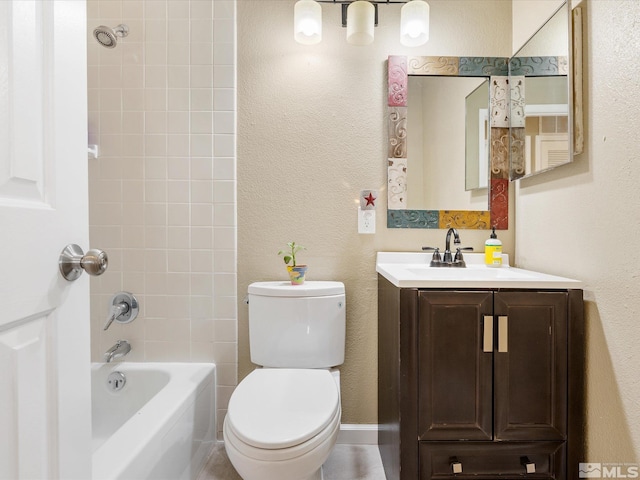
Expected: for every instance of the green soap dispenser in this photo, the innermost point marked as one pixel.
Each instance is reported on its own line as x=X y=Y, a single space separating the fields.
x=493 y=250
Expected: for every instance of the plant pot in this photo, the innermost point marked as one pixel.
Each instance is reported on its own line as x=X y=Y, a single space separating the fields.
x=297 y=274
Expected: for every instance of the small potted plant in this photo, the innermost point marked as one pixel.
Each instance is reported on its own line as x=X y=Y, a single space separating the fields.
x=296 y=272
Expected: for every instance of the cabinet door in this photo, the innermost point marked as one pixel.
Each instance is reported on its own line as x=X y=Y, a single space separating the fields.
x=530 y=379
x=454 y=370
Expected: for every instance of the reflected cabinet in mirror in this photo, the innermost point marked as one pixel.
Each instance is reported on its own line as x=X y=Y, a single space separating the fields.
x=448 y=142
x=542 y=76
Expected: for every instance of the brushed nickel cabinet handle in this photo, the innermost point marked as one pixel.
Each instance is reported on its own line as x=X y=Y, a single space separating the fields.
x=530 y=467
x=487 y=341
x=503 y=333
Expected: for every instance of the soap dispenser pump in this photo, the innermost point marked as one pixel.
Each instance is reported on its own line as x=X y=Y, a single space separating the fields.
x=493 y=250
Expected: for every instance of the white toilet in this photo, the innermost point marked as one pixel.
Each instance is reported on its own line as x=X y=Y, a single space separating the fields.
x=283 y=419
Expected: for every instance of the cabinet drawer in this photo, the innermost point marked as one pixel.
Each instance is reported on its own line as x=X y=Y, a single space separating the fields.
x=482 y=461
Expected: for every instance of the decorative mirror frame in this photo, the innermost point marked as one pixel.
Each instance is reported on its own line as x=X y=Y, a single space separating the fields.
x=494 y=68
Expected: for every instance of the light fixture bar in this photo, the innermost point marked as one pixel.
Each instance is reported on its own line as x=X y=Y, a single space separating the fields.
x=360 y=18
x=345 y=5
x=383 y=2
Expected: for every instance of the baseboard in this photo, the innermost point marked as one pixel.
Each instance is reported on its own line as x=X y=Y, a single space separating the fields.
x=358 y=434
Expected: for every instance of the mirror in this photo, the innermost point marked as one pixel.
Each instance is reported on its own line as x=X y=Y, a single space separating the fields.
x=437 y=119
x=428 y=100
x=552 y=119
x=542 y=124
x=476 y=135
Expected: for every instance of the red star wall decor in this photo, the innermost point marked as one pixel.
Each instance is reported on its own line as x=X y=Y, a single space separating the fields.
x=370 y=200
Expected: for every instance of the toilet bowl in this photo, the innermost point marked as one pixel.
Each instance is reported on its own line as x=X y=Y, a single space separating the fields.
x=283 y=419
x=283 y=423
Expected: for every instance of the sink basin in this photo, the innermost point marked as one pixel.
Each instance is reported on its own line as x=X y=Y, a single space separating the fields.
x=412 y=270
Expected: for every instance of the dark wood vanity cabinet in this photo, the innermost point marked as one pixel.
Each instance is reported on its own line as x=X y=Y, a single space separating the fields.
x=480 y=383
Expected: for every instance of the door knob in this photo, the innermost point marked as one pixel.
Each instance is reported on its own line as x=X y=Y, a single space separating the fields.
x=73 y=261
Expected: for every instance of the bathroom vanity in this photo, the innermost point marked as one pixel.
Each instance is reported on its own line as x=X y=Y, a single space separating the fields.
x=480 y=371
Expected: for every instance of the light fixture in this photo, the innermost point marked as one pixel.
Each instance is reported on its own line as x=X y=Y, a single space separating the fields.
x=307 y=22
x=360 y=22
x=360 y=17
x=414 y=23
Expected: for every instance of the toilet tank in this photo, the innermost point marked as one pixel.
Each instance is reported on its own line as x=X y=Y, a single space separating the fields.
x=297 y=326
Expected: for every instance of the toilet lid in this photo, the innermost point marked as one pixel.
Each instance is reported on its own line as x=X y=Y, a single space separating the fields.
x=307 y=289
x=279 y=408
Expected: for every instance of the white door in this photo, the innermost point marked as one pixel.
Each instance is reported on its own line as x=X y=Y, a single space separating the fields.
x=45 y=422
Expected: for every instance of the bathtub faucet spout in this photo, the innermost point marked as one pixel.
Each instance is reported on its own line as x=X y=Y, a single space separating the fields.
x=120 y=349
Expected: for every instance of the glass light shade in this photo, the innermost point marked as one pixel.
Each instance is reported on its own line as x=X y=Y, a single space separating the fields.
x=307 y=22
x=361 y=17
x=414 y=23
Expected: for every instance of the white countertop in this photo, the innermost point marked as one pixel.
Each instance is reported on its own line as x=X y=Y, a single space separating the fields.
x=412 y=270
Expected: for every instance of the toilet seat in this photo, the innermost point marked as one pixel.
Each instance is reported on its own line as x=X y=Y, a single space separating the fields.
x=323 y=441
x=280 y=409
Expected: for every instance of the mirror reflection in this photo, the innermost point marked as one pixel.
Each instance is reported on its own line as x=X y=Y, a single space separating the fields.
x=540 y=113
x=477 y=137
x=437 y=124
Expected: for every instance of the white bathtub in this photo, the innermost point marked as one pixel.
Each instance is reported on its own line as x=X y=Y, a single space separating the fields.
x=161 y=425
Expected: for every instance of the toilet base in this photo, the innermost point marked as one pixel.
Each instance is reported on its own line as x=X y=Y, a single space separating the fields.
x=318 y=475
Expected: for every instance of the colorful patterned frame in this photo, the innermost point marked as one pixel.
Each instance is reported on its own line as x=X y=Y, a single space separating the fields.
x=495 y=68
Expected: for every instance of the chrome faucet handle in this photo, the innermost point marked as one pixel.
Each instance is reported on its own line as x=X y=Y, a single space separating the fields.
x=116 y=311
x=459 y=251
x=124 y=309
x=436 y=259
x=459 y=259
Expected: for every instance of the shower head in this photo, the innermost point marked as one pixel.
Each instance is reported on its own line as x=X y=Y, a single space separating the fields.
x=108 y=37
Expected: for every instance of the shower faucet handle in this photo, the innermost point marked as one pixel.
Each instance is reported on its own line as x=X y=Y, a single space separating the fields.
x=124 y=309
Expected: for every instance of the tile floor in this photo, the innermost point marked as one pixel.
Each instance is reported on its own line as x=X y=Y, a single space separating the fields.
x=346 y=462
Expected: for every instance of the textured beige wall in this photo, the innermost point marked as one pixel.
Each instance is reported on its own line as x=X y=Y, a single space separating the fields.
x=312 y=134
x=582 y=221
x=528 y=15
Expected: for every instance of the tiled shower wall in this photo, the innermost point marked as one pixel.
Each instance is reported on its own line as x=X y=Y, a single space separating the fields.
x=162 y=191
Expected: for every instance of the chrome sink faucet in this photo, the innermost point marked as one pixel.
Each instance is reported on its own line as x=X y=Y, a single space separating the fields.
x=447 y=244
x=120 y=349
x=447 y=260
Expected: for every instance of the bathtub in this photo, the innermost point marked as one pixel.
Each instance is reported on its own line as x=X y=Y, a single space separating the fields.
x=160 y=425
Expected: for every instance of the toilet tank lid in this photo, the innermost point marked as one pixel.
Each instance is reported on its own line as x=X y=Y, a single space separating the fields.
x=307 y=289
